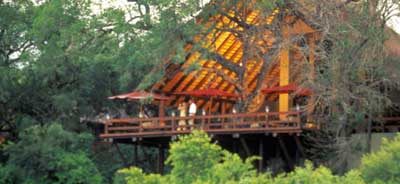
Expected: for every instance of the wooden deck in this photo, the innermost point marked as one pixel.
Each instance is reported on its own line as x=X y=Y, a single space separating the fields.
x=212 y=124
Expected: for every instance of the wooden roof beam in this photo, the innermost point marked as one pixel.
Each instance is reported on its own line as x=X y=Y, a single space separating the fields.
x=188 y=84
x=196 y=78
x=185 y=64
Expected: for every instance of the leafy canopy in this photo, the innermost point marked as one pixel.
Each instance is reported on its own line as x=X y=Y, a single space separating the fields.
x=49 y=154
x=194 y=159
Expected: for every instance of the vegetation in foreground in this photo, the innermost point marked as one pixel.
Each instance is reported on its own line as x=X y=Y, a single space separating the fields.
x=59 y=61
x=194 y=159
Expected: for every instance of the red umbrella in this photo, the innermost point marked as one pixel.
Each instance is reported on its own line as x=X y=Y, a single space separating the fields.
x=207 y=92
x=287 y=89
x=138 y=95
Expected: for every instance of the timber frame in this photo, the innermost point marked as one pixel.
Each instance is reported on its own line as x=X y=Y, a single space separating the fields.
x=225 y=62
x=227 y=65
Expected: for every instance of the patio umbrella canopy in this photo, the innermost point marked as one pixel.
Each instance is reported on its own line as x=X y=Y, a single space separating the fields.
x=207 y=93
x=139 y=95
x=287 y=89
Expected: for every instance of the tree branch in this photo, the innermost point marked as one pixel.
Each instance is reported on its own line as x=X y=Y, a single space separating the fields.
x=224 y=62
x=224 y=76
x=268 y=57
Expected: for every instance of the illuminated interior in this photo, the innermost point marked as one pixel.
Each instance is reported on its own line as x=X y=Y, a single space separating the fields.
x=229 y=46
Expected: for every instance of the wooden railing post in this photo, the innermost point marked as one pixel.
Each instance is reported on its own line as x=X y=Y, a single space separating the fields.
x=222 y=122
x=140 y=126
x=173 y=124
x=299 y=119
x=241 y=120
x=209 y=121
x=202 y=127
x=106 y=127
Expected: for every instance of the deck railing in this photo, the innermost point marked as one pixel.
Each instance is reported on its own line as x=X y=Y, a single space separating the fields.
x=218 y=124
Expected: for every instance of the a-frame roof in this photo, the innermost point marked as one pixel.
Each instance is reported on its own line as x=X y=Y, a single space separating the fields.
x=226 y=44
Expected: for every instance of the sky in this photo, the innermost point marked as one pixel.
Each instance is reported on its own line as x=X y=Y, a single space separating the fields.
x=394 y=22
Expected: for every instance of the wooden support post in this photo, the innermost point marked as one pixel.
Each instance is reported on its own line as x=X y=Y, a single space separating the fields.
x=245 y=147
x=277 y=150
x=284 y=75
x=299 y=146
x=261 y=154
x=136 y=156
x=286 y=154
x=235 y=146
x=161 y=113
x=160 y=169
x=121 y=155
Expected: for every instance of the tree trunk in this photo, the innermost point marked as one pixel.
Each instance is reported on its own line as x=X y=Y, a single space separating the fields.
x=369 y=134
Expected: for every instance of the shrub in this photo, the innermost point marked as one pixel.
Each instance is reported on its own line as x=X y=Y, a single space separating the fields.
x=383 y=166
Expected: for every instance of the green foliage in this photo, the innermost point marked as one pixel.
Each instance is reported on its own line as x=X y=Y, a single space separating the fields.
x=59 y=61
x=195 y=160
x=136 y=175
x=319 y=175
x=76 y=168
x=49 y=154
x=383 y=166
x=193 y=157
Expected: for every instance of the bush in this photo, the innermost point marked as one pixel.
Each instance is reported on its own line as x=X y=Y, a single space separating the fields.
x=309 y=174
x=383 y=166
x=195 y=160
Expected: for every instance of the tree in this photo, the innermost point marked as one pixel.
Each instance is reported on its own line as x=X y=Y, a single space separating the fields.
x=49 y=154
x=58 y=63
x=352 y=84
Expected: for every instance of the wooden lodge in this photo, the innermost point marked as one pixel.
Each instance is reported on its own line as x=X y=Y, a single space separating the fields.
x=274 y=93
x=273 y=117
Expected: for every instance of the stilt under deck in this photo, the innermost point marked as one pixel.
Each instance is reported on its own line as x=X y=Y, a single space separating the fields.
x=262 y=134
x=246 y=134
x=248 y=123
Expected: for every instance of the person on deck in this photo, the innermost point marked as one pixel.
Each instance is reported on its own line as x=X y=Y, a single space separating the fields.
x=182 y=113
x=142 y=114
x=192 y=113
